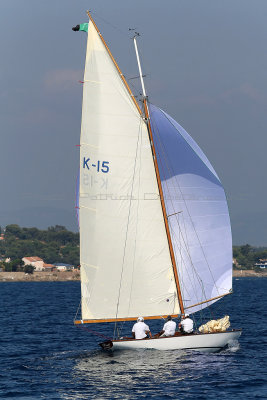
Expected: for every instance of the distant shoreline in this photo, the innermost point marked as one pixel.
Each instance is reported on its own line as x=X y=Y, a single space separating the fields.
x=55 y=276
x=68 y=276
x=249 y=273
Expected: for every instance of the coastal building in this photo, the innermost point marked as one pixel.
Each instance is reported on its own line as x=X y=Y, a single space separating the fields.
x=36 y=262
x=235 y=263
x=63 y=267
x=49 y=267
x=262 y=263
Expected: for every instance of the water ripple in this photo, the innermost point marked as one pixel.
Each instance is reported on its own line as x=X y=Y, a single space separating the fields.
x=44 y=356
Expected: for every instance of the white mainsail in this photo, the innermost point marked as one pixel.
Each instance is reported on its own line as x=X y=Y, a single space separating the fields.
x=198 y=213
x=126 y=268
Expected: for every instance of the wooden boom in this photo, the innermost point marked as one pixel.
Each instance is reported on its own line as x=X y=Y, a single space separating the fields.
x=207 y=301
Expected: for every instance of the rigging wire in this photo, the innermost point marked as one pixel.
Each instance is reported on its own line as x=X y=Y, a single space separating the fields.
x=131 y=194
x=177 y=218
x=126 y=35
x=94 y=332
x=192 y=221
x=138 y=203
x=129 y=79
x=180 y=232
x=189 y=216
x=78 y=309
x=127 y=226
x=110 y=24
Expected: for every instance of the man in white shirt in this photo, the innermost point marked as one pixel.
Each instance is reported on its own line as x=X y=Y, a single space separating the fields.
x=140 y=329
x=168 y=328
x=187 y=324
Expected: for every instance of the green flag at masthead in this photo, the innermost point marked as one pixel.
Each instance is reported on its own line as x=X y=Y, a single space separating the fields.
x=81 y=27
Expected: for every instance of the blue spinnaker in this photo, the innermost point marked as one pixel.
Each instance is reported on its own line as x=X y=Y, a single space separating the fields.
x=197 y=212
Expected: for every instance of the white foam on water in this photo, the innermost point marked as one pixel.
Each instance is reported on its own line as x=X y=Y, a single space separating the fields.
x=233 y=345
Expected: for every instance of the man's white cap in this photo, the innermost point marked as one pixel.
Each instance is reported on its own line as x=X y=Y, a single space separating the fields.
x=186 y=315
x=140 y=319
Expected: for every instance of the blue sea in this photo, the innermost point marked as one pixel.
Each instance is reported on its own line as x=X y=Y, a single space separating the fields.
x=43 y=356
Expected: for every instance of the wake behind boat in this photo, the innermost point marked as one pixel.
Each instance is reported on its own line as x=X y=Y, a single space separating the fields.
x=155 y=235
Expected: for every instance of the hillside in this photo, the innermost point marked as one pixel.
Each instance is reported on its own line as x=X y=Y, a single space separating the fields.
x=246 y=256
x=56 y=244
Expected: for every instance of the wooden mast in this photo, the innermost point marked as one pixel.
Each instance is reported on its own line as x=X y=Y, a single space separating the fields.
x=180 y=300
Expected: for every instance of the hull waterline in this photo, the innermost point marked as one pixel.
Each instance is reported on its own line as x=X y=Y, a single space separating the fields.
x=208 y=342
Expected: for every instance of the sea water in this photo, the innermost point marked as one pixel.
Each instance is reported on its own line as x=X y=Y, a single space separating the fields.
x=43 y=356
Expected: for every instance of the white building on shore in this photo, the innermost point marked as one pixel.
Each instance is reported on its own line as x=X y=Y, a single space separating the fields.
x=63 y=267
x=36 y=262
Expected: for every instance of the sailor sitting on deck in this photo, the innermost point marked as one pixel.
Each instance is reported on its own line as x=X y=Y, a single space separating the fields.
x=186 y=325
x=140 y=329
x=168 y=328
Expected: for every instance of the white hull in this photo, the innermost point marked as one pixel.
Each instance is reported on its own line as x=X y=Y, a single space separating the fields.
x=208 y=342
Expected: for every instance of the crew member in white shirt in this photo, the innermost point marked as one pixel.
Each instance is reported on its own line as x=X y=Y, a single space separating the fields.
x=140 y=329
x=168 y=328
x=187 y=324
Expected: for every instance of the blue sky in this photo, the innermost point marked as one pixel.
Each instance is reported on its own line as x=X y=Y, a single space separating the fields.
x=206 y=65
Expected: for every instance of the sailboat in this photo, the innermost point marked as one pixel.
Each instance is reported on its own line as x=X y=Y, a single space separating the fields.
x=155 y=235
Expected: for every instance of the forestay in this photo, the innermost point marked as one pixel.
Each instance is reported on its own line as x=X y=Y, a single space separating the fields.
x=198 y=213
x=126 y=269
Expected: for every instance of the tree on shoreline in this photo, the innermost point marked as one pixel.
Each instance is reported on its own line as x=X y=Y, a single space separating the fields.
x=247 y=256
x=28 y=269
x=56 y=244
